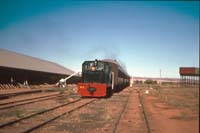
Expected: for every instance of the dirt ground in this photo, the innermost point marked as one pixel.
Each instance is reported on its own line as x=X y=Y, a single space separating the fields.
x=171 y=109
x=17 y=112
x=121 y=113
x=133 y=120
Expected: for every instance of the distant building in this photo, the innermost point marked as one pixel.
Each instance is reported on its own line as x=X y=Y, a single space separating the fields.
x=158 y=80
x=189 y=76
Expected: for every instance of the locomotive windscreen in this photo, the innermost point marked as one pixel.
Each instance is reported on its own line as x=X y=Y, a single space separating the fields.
x=95 y=72
x=95 y=76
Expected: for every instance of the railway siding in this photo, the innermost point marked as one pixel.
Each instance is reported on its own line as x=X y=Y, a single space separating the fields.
x=119 y=113
x=132 y=119
x=31 y=123
x=122 y=112
x=99 y=116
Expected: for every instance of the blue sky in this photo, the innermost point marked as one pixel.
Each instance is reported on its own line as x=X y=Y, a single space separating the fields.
x=145 y=36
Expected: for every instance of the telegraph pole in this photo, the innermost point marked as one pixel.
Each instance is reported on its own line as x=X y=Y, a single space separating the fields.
x=160 y=73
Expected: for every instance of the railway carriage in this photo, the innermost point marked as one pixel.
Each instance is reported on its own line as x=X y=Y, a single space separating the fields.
x=102 y=77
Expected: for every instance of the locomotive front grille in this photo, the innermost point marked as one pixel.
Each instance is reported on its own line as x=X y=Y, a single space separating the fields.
x=91 y=90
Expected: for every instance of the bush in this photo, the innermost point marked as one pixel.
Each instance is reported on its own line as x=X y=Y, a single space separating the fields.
x=167 y=83
x=138 y=82
x=150 y=81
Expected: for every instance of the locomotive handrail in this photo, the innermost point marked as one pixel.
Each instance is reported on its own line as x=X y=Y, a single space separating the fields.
x=113 y=79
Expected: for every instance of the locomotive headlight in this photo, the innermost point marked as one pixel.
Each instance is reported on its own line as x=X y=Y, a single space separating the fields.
x=81 y=87
x=93 y=68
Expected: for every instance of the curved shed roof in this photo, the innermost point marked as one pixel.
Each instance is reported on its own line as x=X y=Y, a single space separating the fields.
x=20 y=61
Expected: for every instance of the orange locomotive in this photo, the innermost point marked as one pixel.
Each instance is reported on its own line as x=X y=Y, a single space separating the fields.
x=101 y=77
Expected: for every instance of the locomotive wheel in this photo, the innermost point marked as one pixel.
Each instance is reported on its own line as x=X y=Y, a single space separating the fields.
x=109 y=92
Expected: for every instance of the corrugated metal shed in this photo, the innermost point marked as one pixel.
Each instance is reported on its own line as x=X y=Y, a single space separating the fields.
x=19 y=61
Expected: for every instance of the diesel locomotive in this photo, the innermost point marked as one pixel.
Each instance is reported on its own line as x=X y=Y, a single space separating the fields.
x=102 y=77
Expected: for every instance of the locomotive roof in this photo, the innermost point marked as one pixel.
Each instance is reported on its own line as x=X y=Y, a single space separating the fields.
x=115 y=62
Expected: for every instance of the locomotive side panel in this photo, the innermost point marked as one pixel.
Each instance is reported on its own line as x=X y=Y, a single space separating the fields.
x=121 y=79
x=114 y=68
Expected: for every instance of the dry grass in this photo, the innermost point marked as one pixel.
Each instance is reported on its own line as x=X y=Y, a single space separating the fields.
x=38 y=110
x=185 y=99
x=19 y=113
x=184 y=116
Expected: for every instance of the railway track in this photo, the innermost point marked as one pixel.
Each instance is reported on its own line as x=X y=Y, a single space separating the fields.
x=37 y=120
x=121 y=113
x=12 y=104
x=144 y=112
x=125 y=120
x=5 y=96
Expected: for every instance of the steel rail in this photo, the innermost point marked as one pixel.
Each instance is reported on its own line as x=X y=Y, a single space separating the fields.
x=143 y=111
x=29 y=102
x=120 y=115
x=30 y=116
x=56 y=117
x=27 y=99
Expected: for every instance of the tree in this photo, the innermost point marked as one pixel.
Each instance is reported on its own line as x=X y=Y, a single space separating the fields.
x=148 y=81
